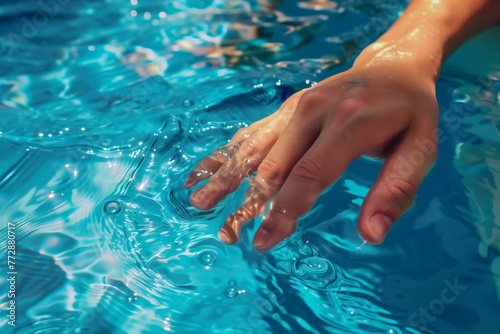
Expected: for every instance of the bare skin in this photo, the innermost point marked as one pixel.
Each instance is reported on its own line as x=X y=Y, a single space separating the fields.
x=384 y=106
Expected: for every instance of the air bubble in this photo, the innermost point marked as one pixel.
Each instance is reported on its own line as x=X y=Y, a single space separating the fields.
x=187 y=103
x=112 y=207
x=231 y=292
x=207 y=258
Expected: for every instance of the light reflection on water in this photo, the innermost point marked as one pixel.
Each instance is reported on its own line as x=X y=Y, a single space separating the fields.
x=108 y=106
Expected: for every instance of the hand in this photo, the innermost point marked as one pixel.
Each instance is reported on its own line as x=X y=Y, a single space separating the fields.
x=385 y=112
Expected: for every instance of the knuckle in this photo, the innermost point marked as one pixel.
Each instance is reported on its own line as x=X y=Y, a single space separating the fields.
x=403 y=191
x=220 y=179
x=250 y=147
x=270 y=170
x=269 y=133
x=226 y=178
x=308 y=169
x=308 y=101
x=240 y=133
x=348 y=111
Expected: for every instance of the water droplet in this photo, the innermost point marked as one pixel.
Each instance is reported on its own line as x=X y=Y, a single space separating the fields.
x=315 y=272
x=208 y=258
x=133 y=298
x=112 y=207
x=231 y=292
x=187 y=103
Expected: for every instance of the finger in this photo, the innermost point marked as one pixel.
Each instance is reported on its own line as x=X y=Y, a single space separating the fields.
x=323 y=163
x=256 y=198
x=396 y=186
x=211 y=164
x=243 y=162
x=208 y=166
x=295 y=140
x=346 y=136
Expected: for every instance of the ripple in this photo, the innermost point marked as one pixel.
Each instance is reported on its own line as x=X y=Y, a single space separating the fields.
x=305 y=249
x=315 y=272
x=99 y=126
x=112 y=207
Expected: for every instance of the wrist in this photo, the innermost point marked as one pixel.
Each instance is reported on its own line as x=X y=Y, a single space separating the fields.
x=412 y=49
x=427 y=33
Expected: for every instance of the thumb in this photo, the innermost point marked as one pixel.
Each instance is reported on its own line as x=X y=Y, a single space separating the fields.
x=396 y=187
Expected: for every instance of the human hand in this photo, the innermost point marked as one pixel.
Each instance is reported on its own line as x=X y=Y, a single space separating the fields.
x=383 y=111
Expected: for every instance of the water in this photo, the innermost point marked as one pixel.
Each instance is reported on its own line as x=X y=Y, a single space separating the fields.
x=107 y=106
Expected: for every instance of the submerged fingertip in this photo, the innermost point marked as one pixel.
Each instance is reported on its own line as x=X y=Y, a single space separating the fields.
x=375 y=230
x=189 y=181
x=200 y=199
x=261 y=240
x=228 y=237
x=224 y=237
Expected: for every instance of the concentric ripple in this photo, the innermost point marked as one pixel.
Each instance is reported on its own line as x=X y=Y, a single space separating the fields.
x=315 y=272
x=106 y=108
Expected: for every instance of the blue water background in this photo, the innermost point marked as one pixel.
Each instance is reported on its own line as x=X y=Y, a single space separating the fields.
x=103 y=113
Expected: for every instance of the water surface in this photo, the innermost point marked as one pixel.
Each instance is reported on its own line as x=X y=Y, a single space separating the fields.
x=107 y=106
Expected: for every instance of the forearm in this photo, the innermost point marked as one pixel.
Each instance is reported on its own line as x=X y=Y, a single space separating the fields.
x=429 y=31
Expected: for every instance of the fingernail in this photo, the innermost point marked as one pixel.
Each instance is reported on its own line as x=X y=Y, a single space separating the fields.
x=379 y=225
x=189 y=181
x=261 y=240
x=200 y=197
x=223 y=236
x=228 y=237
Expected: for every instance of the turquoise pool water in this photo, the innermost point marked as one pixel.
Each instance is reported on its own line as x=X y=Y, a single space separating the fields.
x=107 y=105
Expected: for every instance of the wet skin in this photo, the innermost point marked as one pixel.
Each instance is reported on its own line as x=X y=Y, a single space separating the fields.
x=308 y=143
x=383 y=107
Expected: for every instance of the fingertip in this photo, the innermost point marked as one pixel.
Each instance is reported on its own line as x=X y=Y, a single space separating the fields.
x=227 y=235
x=375 y=229
x=189 y=182
x=261 y=240
x=200 y=199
